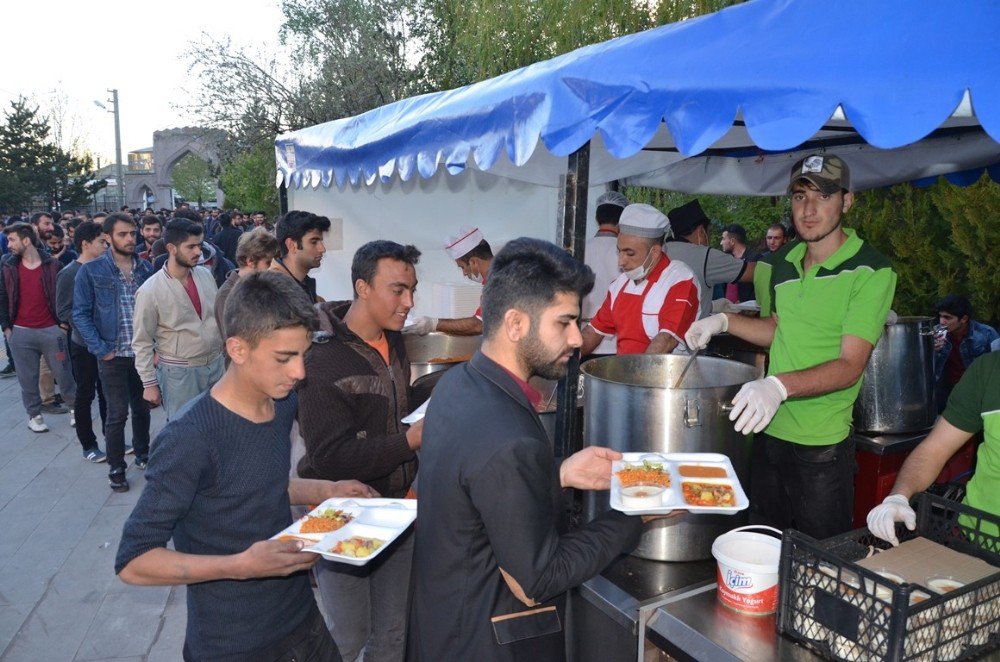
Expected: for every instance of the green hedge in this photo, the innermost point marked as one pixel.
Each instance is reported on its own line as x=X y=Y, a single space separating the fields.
x=942 y=240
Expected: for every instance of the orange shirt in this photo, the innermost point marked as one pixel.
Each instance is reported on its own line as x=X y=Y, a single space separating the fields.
x=381 y=345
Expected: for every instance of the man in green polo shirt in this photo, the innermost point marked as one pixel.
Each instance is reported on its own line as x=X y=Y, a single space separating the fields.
x=974 y=406
x=827 y=299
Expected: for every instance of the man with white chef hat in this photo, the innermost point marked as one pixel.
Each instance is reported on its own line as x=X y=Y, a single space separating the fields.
x=473 y=255
x=654 y=300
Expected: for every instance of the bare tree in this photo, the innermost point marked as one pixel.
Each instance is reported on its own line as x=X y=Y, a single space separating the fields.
x=254 y=96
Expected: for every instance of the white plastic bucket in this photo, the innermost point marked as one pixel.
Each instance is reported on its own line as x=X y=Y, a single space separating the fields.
x=748 y=569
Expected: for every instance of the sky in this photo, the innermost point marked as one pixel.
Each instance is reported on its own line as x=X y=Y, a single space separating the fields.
x=79 y=50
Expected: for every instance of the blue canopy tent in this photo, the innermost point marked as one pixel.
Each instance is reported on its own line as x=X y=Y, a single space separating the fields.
x=904 y=89
x=725 y=103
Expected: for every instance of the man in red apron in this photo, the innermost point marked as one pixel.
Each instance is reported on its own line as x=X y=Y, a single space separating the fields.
x=653 y=302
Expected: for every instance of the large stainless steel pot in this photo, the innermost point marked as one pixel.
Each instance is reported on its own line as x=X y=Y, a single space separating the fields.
x=727 y=346
x=897 y=387
x=630 y=405
x=437 y=351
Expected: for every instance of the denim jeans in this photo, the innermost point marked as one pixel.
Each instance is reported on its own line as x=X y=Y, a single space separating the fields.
x=28 y=346
x=809 y=488
x=368 y=605
x=181 y=384
x=123 y=390
x=88 y=384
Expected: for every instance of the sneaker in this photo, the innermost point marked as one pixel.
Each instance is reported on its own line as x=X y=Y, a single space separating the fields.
x=118 y=482
x=140 y=463
x=54 y=408
x=8 y=371
x=129 y=450
x=95 y=455
x=37 y=424
x=72 y=418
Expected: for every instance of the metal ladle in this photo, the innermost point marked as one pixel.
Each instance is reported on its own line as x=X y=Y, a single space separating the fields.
x=687 y=366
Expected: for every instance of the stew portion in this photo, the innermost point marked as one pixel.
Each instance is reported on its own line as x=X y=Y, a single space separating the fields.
x=708 y=494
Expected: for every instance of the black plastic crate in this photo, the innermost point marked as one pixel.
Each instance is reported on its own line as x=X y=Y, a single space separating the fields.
x=846 y=612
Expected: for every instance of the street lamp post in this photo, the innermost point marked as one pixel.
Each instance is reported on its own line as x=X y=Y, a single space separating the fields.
x=118 y=143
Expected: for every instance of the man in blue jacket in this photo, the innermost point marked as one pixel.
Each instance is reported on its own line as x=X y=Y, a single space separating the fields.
x=964 y=341
x=103 y=310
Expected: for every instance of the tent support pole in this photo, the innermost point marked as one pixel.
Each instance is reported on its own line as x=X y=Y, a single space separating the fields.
x=569 y=436
x=283 y=199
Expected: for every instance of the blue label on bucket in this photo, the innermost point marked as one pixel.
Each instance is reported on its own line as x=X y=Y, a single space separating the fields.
x=736 y=579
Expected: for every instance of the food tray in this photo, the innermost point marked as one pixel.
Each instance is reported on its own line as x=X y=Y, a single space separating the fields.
x=845 y=611
x=673 y=497
x=383 y=519
x=417 y=414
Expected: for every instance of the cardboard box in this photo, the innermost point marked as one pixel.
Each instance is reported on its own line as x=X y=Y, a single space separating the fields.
x=920 y=559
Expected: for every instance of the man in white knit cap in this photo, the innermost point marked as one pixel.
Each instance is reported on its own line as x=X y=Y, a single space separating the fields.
x=651 y=304
x=473 y=255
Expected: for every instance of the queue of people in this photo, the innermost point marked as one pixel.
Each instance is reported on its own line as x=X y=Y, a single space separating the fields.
x=244 y=368
x=76 y=314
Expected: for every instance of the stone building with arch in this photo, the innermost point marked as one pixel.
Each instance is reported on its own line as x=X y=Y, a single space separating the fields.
x=148 y=171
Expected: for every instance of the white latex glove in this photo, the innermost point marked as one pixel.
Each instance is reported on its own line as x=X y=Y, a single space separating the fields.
x=891 y=318
x=701 y=331
x=756 y=404
x=421 y=326
x=883 y=517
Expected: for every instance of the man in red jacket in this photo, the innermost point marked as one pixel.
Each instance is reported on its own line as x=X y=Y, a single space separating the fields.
x=29 y=321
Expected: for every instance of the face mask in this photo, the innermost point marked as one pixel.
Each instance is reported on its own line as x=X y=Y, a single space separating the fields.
x=474 y=277
x=640 y=272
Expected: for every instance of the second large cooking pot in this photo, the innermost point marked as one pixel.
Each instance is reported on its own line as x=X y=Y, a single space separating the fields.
x=897 y=387
x=630 y=405
x=437 y=351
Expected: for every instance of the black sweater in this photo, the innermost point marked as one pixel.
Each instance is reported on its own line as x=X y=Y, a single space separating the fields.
x=216 y=484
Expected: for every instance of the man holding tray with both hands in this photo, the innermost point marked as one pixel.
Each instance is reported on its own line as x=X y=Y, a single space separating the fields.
x=218 y=486
x=351 y=403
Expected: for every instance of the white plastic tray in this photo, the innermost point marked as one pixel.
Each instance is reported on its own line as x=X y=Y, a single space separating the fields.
x=673 y=497
x=417 y=414
x=384 y=519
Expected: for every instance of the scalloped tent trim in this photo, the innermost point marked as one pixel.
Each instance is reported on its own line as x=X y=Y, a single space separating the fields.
x=766 y=75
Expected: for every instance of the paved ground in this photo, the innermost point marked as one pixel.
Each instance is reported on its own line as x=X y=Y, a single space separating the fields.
x=59 y=530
